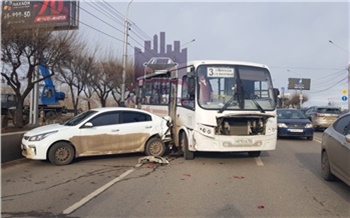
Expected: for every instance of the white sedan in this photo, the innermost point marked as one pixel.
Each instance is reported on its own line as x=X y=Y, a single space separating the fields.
x=102 y=131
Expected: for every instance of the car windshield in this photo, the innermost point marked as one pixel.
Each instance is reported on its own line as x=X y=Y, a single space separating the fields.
x=290 y=114
x=232 y=87
x=328 y=110
x=79 y=118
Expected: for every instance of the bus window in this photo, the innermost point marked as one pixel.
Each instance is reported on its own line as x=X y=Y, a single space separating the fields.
x=147 y=92
x=155 y=93
x=164 y=91
x=188 y=90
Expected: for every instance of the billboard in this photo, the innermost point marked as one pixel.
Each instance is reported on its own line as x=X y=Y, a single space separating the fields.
x=299 y=83
x=40 y=14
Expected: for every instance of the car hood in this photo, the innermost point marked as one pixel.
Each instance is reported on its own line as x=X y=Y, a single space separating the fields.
x=300 y=121
x=46 y=128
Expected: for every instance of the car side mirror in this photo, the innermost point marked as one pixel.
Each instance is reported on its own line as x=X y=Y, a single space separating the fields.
x=88 y=125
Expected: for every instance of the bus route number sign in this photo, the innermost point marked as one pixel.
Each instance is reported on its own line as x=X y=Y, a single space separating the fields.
x=220 y=72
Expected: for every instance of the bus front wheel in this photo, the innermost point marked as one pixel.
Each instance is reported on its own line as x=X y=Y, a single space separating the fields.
x=188 y=155
x=254 y=153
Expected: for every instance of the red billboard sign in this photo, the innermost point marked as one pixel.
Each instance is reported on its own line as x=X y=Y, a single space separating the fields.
x=36 y=14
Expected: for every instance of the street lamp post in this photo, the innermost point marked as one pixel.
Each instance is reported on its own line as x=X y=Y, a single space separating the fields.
x=125 y=51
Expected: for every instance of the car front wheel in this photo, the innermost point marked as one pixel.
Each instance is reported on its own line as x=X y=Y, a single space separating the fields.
x=326 y=167
x=155 y=147
x=310 y=138
x=61 y=153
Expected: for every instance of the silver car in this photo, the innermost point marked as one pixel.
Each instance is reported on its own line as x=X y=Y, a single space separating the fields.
x=335 y=154
x=322 y=117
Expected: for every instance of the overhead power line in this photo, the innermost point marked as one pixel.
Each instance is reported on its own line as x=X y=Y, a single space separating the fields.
x=327 y=89
x=103 y=11
x=101 y=20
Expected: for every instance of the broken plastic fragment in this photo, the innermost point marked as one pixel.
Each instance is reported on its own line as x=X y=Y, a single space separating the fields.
x=154 y=159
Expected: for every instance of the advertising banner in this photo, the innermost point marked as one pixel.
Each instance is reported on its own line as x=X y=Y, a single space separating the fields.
x=299 y=83
x=40 y=14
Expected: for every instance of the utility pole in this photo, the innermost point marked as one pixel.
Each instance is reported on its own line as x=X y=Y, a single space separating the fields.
x=301 y=93
x=125 y=56
x=347 y=52
x=349 y=87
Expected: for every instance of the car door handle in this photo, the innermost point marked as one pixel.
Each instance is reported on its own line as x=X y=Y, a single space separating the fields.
x=148 y=127
x=115 y=130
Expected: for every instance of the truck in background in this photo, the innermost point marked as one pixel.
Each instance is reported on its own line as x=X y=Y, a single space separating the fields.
x=49 y=102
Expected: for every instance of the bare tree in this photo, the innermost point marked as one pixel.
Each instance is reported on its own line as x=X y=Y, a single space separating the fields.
x=102 y=80
x=75 y=72
x=88 y=90
x=117 y=81
x=24 y=50
x=294 y=100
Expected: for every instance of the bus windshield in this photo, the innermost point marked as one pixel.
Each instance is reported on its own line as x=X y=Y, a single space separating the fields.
x=235 y=87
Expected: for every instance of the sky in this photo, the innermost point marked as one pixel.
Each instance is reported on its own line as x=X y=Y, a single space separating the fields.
x=291 y=38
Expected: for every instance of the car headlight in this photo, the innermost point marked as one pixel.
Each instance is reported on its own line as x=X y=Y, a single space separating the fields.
x=309 y=125
x=282 y=125
x=41 y=136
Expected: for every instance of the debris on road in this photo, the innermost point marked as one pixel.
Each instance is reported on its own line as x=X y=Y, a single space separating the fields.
x=153 y=159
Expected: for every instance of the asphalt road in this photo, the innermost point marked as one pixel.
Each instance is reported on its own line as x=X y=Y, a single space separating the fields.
x=284 y=182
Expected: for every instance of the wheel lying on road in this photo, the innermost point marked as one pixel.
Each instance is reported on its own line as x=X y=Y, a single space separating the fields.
x=155 y=147
x=326 y=167
x=61 y=153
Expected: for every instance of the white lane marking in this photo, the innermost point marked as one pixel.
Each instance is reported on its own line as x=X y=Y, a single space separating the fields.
x=98 y=191
x=318 y=140
x=259 y=161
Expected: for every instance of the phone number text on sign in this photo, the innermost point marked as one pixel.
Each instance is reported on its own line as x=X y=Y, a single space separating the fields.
x=16 y=14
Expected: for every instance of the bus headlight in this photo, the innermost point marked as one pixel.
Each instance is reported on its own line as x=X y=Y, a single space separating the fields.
x=207 y=130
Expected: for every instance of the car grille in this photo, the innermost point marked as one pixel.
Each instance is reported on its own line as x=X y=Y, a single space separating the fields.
x=296 y=125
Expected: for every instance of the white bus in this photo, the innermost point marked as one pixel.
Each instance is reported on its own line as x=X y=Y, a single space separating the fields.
x=215 y=106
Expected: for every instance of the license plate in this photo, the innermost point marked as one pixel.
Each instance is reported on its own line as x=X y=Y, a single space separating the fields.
x=295 y=130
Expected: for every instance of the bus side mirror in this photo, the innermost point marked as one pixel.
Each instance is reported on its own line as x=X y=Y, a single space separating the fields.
x=276 y=92
x=191 y=73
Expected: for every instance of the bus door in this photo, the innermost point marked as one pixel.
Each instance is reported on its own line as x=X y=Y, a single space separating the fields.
x=173 y=100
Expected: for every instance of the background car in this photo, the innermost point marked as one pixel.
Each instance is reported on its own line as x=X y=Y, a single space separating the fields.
x=322 y=117
x=335 y=153
x=101 y=131
x=304 y=109
x=159 y=64
x=293 y=123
